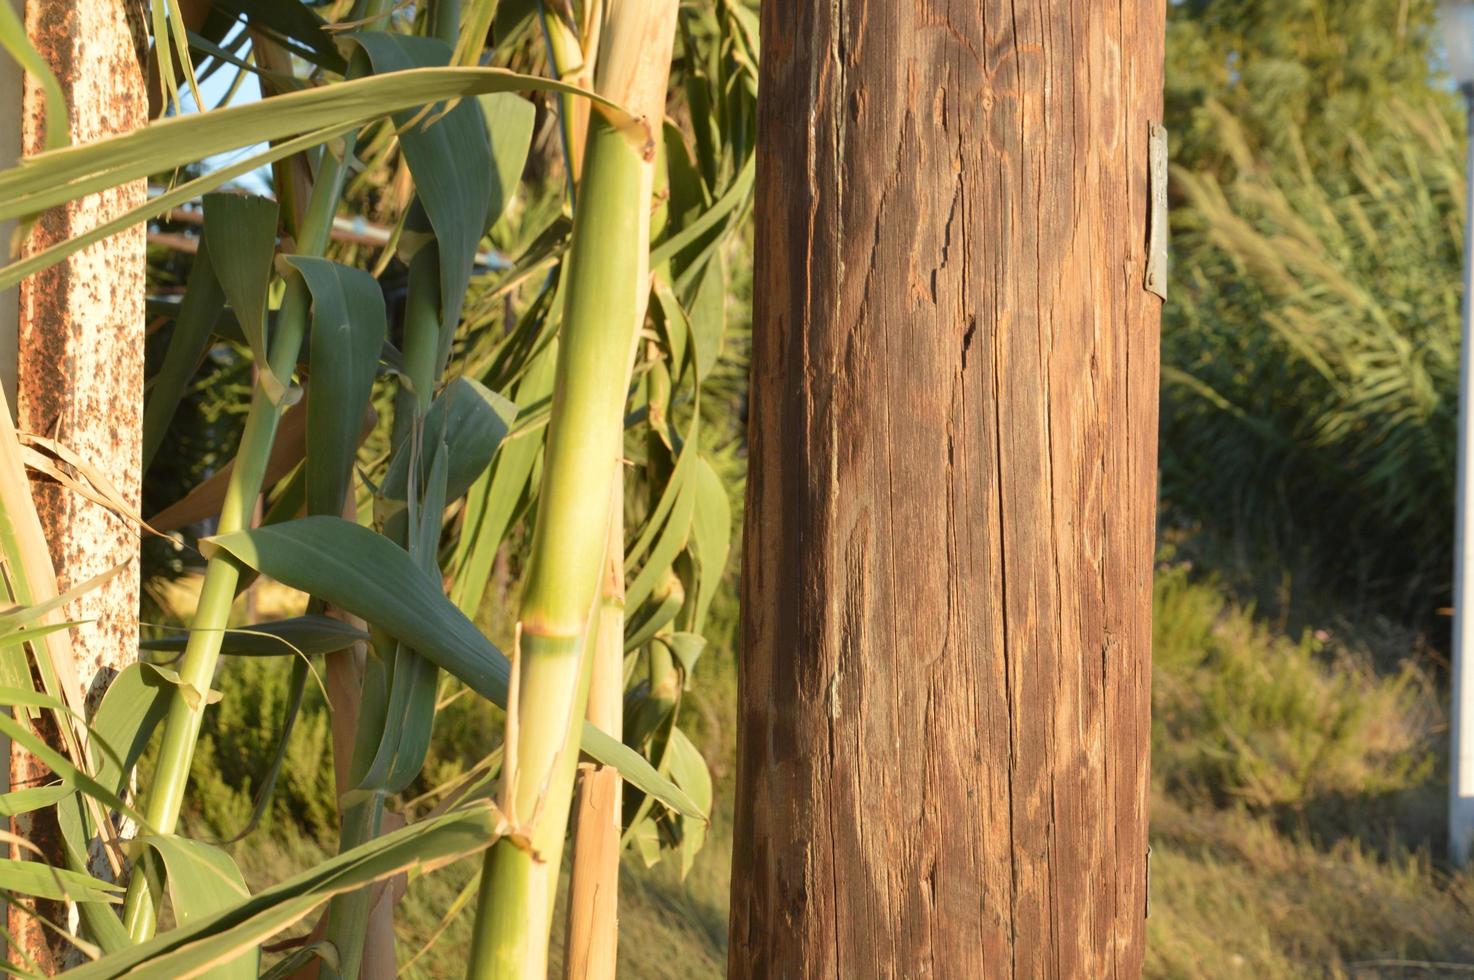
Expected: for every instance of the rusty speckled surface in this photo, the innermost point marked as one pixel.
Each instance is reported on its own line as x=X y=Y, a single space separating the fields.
x=80 y=371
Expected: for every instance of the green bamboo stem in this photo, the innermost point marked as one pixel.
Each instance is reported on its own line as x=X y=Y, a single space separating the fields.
x=608 y=285
x=348 y=914
x=664 y=680
x=444 y=21
x=212 y=613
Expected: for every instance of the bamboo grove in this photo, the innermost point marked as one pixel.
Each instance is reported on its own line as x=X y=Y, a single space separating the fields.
x=514 y=379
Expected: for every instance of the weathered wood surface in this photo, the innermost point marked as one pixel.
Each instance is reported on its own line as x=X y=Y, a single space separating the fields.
x=947 y=603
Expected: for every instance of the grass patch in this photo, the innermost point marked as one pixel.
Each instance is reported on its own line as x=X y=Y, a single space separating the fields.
x=1296 y=816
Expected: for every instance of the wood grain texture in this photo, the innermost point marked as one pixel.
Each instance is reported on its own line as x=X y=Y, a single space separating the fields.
x=944 y=705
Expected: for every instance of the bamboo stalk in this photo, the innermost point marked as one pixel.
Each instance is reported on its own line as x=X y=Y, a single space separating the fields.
x=349 y=915
x=593 y=895
x=573 y=50
x=608 y=285
x=222 y=575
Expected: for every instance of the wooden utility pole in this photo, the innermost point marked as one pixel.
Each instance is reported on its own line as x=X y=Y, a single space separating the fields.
x=79 y=377
x=944 y=706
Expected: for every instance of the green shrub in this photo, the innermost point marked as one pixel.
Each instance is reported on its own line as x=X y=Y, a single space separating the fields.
x=1311 y=353
x=1244 y=716
x=239 y=738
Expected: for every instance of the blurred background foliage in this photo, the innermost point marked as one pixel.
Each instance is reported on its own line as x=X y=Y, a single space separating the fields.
x=1310 y=348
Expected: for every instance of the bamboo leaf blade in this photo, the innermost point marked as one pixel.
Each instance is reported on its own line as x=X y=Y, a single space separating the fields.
x=20 y=269
x=203 y=880
x=509 y=124
x=194 y=323
x=56 y=176
x=505 y=487
x=364 y=573
x=197 y=948
x=349 y=327
x=40 y=880
x=299 y=635
x=240 y=231
x=474 y=421
x=711 y=536
x=449 y=157
x=295 y=25
x=17 y=44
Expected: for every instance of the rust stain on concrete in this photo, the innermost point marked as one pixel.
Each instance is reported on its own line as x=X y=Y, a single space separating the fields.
x=80 y=370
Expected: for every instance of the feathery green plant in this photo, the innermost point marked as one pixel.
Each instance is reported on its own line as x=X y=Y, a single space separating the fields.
x=1311 y=352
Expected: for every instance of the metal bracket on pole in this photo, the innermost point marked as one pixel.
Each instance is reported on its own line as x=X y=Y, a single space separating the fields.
x=1157 y=229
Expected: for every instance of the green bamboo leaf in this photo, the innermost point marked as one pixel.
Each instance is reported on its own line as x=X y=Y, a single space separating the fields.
x=63 y=767
x=55 y=176
x=502 y=489
x=294 y=961
x=18 y=638
x=296 y=26
x=240 y=231
x=132 y=706
x=644 y=835
x=364 y=573
x=687 y=192
x=226 y=326
x=16 y=618
x=711 y=536
x=674 y=534
x=58 y=884
x=475 y=26
x=203 y=881
x=509 y=123
x=660 y=517
x=409 y=715
x=309 y=635
x=219 y=57
x=660 y=609
x=474 y=420
x=677 y=325
x=687 y=648
x=698 y=230
x=197 y=948
x=349 y=327
x=708 y=315
x=449 y=156
x=28 y=800
x=194 y=323
x=688 y=770
x=170 y=43
x=14 y=40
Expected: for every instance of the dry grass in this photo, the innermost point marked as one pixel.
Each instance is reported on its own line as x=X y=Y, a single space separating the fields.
x=1295 y=820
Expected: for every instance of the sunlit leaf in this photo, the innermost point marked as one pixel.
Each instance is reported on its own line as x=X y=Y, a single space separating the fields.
x=348 y=330
x=366 y=574
x=202 y=881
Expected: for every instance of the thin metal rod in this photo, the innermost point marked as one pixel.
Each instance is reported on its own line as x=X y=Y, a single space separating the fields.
x=1461 y=710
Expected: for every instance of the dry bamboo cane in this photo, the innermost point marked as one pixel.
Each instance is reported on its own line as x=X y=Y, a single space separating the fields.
x=593 y=894
x=608 y=286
